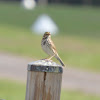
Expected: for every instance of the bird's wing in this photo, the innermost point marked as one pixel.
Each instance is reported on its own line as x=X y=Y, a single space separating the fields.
x=53 y=46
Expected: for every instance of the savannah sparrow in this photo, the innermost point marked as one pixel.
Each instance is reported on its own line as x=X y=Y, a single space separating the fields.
x=49 y=47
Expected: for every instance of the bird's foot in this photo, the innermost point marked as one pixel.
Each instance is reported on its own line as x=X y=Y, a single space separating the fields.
x=47 y=60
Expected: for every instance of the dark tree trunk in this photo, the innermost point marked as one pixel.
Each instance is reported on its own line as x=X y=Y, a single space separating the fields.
x=87 y=2
x=42 y=2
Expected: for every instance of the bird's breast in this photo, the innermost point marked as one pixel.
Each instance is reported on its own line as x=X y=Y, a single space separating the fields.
x=46 y=47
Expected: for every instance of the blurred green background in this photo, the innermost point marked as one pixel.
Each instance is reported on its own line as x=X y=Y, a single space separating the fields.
x=78 y=42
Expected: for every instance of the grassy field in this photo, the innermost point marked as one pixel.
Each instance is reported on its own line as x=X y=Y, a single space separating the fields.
x=10 y=90
x=78 y=42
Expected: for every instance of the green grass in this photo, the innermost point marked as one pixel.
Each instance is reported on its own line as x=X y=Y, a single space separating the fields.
x=71 y=20
x=78 y=42
x=10 y=90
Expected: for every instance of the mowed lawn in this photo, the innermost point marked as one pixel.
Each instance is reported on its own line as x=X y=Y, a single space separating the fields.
x=78 y=42
x=10 y=90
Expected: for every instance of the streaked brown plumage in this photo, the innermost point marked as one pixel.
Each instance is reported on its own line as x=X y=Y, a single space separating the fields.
x=49 y=47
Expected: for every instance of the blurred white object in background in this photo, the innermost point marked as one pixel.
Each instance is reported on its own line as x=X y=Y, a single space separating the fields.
x=44 y=24
x=28 y=4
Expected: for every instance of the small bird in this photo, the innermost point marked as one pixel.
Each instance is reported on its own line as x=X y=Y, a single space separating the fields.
x=49 y=47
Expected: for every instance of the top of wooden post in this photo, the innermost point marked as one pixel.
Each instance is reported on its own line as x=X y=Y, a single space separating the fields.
x=45 y=66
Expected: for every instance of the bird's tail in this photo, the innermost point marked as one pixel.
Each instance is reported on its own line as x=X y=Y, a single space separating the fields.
x=59 y=59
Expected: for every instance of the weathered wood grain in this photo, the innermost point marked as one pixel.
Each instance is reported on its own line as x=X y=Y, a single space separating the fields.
x=52 y=86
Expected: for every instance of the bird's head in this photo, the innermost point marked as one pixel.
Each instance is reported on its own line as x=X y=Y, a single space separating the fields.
x=46 y=35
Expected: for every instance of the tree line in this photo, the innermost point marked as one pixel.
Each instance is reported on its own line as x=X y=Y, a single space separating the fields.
x=73 y=2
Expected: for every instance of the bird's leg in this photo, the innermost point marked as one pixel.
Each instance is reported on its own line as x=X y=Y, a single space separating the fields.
x=51 y=57
x=46 y=58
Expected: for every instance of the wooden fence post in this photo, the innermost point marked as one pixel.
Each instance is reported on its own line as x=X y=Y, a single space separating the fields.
x=44 y=81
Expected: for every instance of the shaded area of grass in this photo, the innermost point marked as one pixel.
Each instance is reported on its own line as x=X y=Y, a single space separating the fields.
x=78 y=42
x=10 y=90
